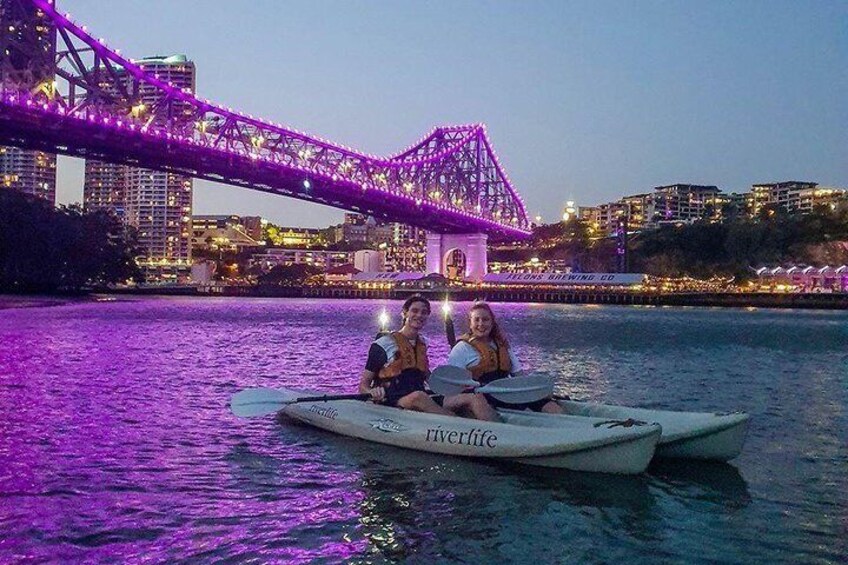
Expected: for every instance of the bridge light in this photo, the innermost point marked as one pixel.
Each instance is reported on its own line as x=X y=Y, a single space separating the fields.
x=306 y=184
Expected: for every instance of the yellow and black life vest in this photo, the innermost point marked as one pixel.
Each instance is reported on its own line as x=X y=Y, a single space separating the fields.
x=406 y=357
x=494 y=363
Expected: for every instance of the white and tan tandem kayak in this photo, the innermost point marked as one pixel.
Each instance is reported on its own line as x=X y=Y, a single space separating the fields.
x=685 y=435
x=601 y=445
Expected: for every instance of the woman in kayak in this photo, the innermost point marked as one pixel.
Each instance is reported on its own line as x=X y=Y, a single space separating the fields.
x=486 y=353
x=397 y=369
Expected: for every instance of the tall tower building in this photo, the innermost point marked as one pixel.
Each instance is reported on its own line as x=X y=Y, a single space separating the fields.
x=104 y=187
x=30 y=172
x=157 y=204
x=29 y=68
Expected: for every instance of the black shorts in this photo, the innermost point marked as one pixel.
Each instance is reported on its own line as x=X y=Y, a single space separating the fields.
x=534 y=406
x=401 y=386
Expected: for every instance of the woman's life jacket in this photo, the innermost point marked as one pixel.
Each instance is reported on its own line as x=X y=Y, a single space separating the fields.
x=494 y=362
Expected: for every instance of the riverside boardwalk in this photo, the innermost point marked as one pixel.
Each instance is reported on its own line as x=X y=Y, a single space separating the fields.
x=825 y=301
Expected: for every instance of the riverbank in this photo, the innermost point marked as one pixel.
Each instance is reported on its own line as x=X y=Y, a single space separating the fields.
x=8 y=301
x=554 y=296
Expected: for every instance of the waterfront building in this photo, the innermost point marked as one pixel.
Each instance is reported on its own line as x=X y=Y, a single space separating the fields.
x=295 y=237
x=341 y=274
x=222 y=233
x=797 y=278
x=30 y=172
x=407 y=251
x=532 y=265
x=369 y=261
x=324 y=260
x=361 y=231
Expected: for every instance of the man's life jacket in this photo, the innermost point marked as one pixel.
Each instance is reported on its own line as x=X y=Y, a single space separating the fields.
x=409 y=361
x=494 y=363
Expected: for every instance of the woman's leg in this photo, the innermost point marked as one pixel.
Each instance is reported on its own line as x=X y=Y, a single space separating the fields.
x=420 y=401
x=552 y=407
x=472 y=404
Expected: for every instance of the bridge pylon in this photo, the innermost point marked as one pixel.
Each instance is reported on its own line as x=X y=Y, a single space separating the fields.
x=442 y=251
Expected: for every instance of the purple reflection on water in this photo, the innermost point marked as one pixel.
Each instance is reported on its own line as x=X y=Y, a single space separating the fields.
x=116 y=443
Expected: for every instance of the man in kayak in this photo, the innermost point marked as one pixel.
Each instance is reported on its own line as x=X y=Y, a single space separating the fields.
x=398 y=367
x=486 y=353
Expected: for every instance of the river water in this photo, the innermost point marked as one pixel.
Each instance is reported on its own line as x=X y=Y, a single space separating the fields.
x=116 y=443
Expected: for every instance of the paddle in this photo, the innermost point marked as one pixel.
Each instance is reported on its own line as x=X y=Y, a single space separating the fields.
x=449 y=380
x=262 y=401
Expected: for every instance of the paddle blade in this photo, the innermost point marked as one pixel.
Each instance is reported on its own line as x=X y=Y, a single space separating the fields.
x=449 y=380
x=518 y=390
x=258 y=402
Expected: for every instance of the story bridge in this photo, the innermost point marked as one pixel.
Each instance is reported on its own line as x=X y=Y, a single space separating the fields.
x=64 y=91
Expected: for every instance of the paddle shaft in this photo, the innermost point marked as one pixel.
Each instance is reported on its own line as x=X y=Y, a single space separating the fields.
x=328 y=397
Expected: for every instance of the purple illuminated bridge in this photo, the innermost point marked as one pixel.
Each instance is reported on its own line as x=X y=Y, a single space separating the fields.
x=64 y=91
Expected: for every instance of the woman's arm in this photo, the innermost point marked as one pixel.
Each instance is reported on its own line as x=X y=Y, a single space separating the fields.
x=463 y=356
x=517 y=370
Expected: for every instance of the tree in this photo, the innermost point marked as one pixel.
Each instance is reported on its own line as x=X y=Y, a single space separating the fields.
x=43 y=249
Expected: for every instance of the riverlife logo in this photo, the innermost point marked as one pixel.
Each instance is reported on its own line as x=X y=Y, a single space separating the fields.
x=387 y=425
x=475 y=437
x=325 y=411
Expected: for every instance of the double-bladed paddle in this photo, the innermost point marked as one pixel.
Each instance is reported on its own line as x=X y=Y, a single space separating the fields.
x=446 y=380
x=449 y=380
x=261 y=401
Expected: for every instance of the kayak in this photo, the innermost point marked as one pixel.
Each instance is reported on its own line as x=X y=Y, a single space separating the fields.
x=578 y=443
x=716 y=436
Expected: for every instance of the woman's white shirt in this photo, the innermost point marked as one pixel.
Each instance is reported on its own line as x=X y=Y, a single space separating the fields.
x=465 y=356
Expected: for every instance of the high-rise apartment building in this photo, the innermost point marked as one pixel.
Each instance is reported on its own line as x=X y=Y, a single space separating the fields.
x=104 y=187
x=157 y=204
x=793 y=196
x=682 y=203
x=31 y=172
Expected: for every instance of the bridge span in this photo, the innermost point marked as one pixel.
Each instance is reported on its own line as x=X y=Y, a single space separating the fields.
x=64 y=91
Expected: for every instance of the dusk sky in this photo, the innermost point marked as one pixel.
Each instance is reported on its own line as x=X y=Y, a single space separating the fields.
x=585 y=101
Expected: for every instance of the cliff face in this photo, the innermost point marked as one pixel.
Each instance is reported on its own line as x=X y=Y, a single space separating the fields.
x=833 y=253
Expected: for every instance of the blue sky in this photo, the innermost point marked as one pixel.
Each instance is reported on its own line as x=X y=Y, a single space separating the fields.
x=584 y=101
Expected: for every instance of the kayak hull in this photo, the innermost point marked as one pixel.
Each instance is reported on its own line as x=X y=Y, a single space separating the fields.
x=685 y=435
x=624 y=458
x=577 y=443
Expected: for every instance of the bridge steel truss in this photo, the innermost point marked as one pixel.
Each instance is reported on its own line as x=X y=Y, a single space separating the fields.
x=66 y=92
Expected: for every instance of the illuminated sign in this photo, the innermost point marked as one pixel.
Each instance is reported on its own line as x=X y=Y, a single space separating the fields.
x=565 y=278
x=387 y=277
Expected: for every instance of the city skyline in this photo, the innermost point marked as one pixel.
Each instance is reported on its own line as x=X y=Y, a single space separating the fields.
x=760 y=95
